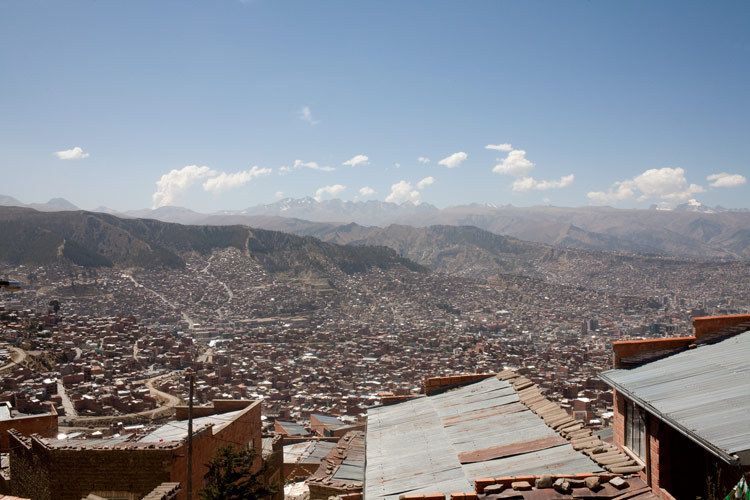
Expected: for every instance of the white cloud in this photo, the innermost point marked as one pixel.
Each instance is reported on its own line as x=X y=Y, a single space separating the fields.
x=666 y=184
x=427 y=181
x=278 y=195
x=298 y=164
x=77 y=153
x=505 y=147
x=423 y=160
x=515 y=164
x=356 y=161
x=366 y=191
x=332 y=190
x=529 y=183
x=725 y=180
x=402 y=192
x=174 y=182
x=305 y=114
x=453 y=160
x=621 y=190
x=225 y=181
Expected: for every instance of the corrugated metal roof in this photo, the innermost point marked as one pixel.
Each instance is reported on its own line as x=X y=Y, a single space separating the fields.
x=177 y=430
x=308 y=452
x=561 y=459
x=704 y=392
x=329 y=420
x=415 y=446
x=292 y=428
x=344 y=466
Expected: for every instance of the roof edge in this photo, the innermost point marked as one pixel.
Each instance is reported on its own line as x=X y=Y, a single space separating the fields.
x=699 y=440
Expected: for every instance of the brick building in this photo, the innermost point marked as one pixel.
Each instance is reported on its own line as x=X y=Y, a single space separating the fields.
x=682 y=407
x=44 y=424
x=131 y=466
x=282 y=428
x=330 y=426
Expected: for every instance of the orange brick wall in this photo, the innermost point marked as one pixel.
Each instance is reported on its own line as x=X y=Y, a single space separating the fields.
x=701 y=326
x=44 y=425
x=626 y=348
x=666 y=445
x=245 y=428
x=618 y=421
x=709 y=324
x=437 y=384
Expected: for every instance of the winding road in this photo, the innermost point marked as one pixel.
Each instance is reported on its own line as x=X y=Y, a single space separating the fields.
x=165 y=410
x=16 y=358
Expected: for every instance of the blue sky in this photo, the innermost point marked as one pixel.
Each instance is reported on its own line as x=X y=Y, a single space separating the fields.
x=639 y=101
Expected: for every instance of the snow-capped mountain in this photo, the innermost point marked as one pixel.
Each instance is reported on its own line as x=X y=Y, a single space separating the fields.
x=371 y=212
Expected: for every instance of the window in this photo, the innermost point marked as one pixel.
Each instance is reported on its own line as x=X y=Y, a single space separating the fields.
x=635 y=430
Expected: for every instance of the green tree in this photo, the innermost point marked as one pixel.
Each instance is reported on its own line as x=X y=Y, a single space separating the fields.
x=230 y=476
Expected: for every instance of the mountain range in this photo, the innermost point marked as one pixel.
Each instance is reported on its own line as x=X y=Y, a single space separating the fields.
x=94 y=239
x=689 y=230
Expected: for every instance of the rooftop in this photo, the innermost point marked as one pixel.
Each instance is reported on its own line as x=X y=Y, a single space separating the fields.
x=344 y=466
x=307 y=452
x=292 y=428
x=703 y=392
x=177 y=430
x=500 y=426
x=329 y=420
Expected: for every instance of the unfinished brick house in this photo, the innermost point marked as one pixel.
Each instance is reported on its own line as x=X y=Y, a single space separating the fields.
x=44 y=424
x=682 y=407
x=131 y=466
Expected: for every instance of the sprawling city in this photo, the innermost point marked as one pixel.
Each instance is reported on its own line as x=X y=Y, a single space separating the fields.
x=415 y=310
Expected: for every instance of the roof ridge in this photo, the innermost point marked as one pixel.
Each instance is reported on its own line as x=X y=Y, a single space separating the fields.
x=606 y=455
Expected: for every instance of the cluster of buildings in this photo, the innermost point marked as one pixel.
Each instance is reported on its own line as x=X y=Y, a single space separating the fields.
x=93 y=363
x=84 y=366
x=307 y=344
x=679 y=428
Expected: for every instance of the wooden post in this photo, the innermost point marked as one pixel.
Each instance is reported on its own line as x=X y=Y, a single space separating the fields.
x=190 y=439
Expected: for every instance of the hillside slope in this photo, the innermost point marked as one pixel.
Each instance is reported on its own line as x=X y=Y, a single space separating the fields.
x=97 y=239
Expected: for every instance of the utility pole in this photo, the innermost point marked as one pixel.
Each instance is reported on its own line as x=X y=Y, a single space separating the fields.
x=191 y=377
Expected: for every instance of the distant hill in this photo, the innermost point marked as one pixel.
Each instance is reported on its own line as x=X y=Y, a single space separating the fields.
x=53 y=205
x=451 y=249
x=690 y=230
x=9 y=201
x=97 y=239
x=471 y=252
